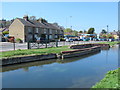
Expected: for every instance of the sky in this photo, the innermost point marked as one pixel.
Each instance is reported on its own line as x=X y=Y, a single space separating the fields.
x=79 y=15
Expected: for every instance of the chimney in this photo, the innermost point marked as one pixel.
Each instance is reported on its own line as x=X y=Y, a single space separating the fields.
x=40 y=20
x=25 y=17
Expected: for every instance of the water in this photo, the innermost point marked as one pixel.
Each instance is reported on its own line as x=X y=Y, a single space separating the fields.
x=79 y=72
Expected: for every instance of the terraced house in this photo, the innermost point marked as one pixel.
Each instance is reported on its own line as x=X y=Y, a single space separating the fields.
x=31 y=30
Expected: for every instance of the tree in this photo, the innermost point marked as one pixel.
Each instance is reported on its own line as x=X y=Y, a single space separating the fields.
x=32 y=17
x=75 y=33
x=110 y=36
x=68 y=30
x=80 y=31
x=91 y=31
x=103 y=36
x=85 y=31
x=103 y=31
x=6 y=32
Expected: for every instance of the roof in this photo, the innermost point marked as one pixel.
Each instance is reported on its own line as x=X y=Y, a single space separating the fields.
x=26 y=23
x=4 y=29
x=35 y=23
x=114 y=33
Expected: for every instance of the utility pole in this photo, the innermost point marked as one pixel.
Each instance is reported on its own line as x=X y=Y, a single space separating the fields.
x=71 y=22
x=66 y=22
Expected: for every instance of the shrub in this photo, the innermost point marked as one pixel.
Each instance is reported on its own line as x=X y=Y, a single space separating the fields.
x=6 y=32
x=18 y=40
x=62 y=39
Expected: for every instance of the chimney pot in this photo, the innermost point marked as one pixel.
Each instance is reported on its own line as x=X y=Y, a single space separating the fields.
x=25 y=17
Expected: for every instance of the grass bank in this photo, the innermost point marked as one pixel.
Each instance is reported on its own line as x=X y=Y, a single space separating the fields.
x=26 y=52
x=110 y=43
x=110 y=80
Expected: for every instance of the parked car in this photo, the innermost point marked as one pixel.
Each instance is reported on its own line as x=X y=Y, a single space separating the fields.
x=69 y=40
x=75 y=39
x=111 y=39
x=86 y=39
x=80 y=39
x=96 y=39
x=103 y=39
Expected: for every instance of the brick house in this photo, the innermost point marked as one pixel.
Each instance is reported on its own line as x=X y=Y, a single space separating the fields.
x=30 y=30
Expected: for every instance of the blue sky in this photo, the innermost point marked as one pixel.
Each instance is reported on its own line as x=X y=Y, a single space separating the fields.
x=84 y=14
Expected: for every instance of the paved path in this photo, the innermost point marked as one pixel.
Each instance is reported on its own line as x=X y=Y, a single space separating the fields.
x=7 y=46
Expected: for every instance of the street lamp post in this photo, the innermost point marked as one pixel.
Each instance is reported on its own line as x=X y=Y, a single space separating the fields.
x=107 y=32
x=70 y=23
x=107 y=29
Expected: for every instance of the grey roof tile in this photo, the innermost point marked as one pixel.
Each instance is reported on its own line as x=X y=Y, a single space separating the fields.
x=36 y=23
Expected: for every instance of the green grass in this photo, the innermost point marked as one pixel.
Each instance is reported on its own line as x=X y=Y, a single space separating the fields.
x=17 y=53
x=110 y=43
x=110 y=80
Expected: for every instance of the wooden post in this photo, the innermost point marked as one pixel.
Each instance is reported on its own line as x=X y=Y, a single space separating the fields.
x=28 y=45
x=56 y=43
x=45 y=43
x=14 y=45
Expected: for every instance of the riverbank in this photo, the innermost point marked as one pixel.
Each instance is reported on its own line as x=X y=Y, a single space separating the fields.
x=18 y=53
x=53 y=53
x=29 y=52
x=109 y=81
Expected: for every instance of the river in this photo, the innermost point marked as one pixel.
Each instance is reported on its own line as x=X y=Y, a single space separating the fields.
x=79 y=72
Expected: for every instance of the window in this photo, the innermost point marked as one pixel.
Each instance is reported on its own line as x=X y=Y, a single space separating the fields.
x=46 y=36
x=56 y=36
x=50 y=31
x=30 y=37
x=45 y=31
x=56 y=31
x=50 y=36
x=36 y=30
x=29 y=30
x=61 y=31
x=36 y=36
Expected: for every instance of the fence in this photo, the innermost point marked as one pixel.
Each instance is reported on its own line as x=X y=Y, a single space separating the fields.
x=7 y=46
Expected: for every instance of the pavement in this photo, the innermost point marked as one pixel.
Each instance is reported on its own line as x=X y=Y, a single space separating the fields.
x=7 y=46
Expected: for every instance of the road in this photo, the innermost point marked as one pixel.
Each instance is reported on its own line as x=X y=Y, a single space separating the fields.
x=7 y=46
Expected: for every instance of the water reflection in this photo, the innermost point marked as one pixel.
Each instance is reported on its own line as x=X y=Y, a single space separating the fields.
x=68 y=60
x=26 y=66
x=79 y=72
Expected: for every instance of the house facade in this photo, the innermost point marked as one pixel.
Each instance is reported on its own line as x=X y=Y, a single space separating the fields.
x=115 y=34
x=31 y=30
